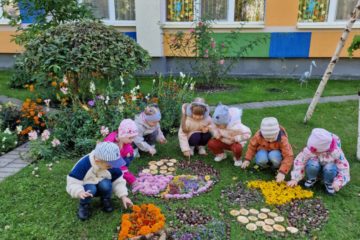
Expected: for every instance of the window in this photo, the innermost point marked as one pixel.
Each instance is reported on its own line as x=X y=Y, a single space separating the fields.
x=344 y=9
x=313 y=10
x=249 y=11
x=229 y=11
x=113 y=11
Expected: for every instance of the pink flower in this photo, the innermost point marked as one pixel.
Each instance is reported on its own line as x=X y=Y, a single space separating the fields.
x=47 y=102
x=221 y=62
x=32 y=135
x=64 y=90
x=192 y=30
x=104 y=131
x=55 y=142
x=200 y=24
x=45 y=135
x=213 y=43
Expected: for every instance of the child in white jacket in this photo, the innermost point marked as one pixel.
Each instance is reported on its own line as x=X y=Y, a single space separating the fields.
x=98 y=174
x=228 y=134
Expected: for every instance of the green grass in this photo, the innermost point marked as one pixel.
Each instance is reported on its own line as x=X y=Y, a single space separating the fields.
x=241 y=90
x=40 y=208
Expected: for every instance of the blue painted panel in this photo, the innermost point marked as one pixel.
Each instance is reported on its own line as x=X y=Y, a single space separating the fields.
x=291 y=45
x=25 y=15
x=131 y=35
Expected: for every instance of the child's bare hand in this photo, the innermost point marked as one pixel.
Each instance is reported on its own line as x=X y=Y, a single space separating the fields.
x=292 y=183
x=152 y=151
x=126 y=202
x=245 y=164
x=84 y=194
x=187 y=153
x=336 y=186
x=280 y=177
x=163 y=141
x=204 y=129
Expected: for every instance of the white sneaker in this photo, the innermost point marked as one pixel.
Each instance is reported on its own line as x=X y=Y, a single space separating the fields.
x=136 y=153
x=220 y=157
x=202 y=150
x=237 y=163
x=192 y=151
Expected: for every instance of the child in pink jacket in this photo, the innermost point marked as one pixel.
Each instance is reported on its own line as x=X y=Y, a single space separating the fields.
x=123 y=137
x=323 y=153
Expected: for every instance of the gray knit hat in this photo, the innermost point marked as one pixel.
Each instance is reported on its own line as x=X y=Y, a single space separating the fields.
x=270 y=127
x=110 y=153
x=221 y=115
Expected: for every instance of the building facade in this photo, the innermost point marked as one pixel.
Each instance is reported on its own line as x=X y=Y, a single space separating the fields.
x=296 y=30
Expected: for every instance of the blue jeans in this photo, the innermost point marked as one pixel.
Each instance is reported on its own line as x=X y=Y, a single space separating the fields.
x=103 y=189
x=263 y=158
x=313 y=167
x=128 y=160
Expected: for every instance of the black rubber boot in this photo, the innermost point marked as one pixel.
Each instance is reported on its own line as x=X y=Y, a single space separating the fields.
x=83 y=211
x=107 y=206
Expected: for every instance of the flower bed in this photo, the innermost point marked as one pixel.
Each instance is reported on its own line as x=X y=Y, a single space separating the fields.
x=151 y=185
x=240 y=195
x=145 y=220
x=279 y=193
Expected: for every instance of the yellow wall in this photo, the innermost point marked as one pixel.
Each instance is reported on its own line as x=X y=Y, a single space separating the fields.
x=323 y=43
x=6 y=45
x=281 y=12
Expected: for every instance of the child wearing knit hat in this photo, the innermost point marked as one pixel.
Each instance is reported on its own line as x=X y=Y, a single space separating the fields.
x=124 y=137
x=323 y=153
x=98 y=174
x=148 y=124
x=228 y=134
x=270 y=146
x=194 y=127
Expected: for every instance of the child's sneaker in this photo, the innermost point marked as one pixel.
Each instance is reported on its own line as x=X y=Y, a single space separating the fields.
x=136 y=153
x=310 y=183
x=329 y=188
x=202 y=150
x=220 y=157
x=237 y=162
x=107 y=205
x=192 y=151
x=83 y=211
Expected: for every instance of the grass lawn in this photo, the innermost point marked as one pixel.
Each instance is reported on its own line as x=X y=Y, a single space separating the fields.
x=40 y=208
x=241 y=91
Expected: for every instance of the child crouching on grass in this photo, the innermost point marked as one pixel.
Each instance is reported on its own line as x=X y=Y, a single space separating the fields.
x=194 y=128
x=98 y=174
x=124 y=137
x=229 y=134
x=323 y=153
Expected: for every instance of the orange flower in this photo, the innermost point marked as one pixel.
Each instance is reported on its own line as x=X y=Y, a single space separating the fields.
x=38 y=100
x=54 y=83
x=31 y=88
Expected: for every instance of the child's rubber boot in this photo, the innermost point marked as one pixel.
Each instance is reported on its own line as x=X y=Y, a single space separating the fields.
x=84 y=211
x=107 y=205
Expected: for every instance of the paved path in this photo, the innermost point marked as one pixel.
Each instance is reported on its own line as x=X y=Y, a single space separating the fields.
x=13 y=161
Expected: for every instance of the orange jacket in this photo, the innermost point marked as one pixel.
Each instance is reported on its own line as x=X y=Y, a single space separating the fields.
x=258 y=142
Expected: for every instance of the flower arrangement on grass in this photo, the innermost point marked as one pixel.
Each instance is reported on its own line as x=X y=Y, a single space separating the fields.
x=279 y=193
x=144 y=220
x=187 y=186
x=148 y=184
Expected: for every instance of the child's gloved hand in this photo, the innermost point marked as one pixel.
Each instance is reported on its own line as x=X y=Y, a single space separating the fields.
x=126 y=202
x=336 y=186
x=84 y=194
x=245 y=164
x=152 y=151
x=280 y=177
x=292 y=183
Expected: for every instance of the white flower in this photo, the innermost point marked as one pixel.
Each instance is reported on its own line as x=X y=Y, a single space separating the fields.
x=55 y=142
x=4 y=139
x=137 y=87
x=65 y=80
x=19 y=128
x=133 y=98
x=39 y=115
x=192 y=86
x=92 y=87
x=154 y=81
x=33 y=135
x=122 y=99
x=107 y=99
x=45 y=135
x=7 y=131
x=182 y=75
x=64 y=90
x=147 y=97
x=104 y=131
x=121 y=109
x=122 y=81
x=16 y=142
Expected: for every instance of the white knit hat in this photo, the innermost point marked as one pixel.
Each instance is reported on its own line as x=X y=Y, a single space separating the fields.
x=110 y=153
x=270 y=127
x=319 y=140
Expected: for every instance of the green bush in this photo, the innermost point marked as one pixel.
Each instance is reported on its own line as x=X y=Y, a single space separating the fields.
x=355 y=45
x=9 y=115
x=82 y=51
x=8 y=141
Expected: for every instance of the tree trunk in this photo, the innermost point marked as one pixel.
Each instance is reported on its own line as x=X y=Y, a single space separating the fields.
x=358 y=141
x=355 y=15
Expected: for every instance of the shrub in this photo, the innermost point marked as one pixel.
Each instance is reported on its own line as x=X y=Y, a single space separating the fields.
x=8 y=141
x=9 y=116
x=355 y=45
x=82 y=51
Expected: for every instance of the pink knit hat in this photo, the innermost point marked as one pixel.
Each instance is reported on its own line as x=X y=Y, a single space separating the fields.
x=127 y=128
x=320 y=140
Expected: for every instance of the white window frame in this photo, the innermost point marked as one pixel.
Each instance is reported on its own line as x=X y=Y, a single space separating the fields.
x=331 y=22
x=229 y=23
x=112 y=17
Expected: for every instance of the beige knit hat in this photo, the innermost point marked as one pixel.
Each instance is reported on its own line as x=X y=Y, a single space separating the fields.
x=269 y=127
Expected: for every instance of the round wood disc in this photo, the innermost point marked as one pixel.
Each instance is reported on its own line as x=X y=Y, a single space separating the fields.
x=265 y=210
x=251 y=227
x=267 y=228
x=242 y=219
x=269 y=221
x=159 y=163
x=163 y=171
x=173 y=160
x=146 y=170
x=279 y=228
x=154 y=172
x=253 y=218
x=153 y=167
x=244 y=212
x=171 y=169
x=152 y=162
x=254 y=211
x=292 y=230
x=260 y=223
x=262 y=216
x=168 y=173
x=272 y=214
x=170 y=164
x=234 y=213
x=279 y=219
x=163 y=167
